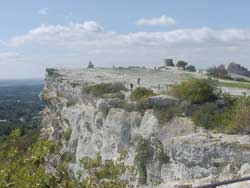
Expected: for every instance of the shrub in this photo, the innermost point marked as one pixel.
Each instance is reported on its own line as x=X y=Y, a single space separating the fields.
x=191 y=68
x=68 y=157
x=240 y=122
x=52 y=72
x=208 y=116
x=104 y=88
x=195 y=90
x=67 y=134
x=141 y=94
x=165 y=114
x=182 y=64
x=143 y=155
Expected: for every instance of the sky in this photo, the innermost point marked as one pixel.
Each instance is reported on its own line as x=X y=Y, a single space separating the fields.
x=35 y=35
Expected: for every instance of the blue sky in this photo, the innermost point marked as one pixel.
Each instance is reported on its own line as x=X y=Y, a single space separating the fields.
x=62 y=33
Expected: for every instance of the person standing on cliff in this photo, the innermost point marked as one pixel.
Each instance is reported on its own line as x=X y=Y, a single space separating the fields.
x=131 y=86
x=139 y=81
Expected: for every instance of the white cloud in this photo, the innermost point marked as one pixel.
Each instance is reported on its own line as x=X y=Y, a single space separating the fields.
x=75 y=43
x=6 y=57
x=43 y=11
x=59 y=34
x=163 y=20
x=90 y=33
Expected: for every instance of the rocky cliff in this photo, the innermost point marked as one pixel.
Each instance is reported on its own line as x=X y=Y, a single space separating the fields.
x=163 y=153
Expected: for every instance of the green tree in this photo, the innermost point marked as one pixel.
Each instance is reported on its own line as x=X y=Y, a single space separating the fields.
x=181 y=64
x=191 y=68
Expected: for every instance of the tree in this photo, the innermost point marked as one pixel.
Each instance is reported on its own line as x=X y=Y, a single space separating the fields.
x=191 y=68
x=181 y=64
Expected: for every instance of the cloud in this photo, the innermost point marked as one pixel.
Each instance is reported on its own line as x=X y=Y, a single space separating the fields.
x=90 y=33
x=75 y=43
x=6 y=57
x=43 y=11
x=161 y=21
x=59 y=34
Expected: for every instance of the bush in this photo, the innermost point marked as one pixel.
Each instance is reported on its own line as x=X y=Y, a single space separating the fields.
x=191 y=68
x=143 y=155
x=141 y=94
x=67 y=134
x=208 y=116
x=52 y=72
x=104 y=88
x=195 y=90
x=165 y=114
x=182 y=64
x=240 y=122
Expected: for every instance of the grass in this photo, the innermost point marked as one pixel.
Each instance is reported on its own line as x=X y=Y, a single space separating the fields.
x=240 y=85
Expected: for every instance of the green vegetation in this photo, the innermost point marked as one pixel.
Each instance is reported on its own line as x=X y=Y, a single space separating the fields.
x=234 y=84
x=209 y=108
x=101 y=89
x=52 y=72
x=207 y=116
x=233 y=117
x=165 y=114
x=140 y=95
x=240 y=121
x=19 y=108
x=145 y=151
x=195 y=90
x=26 y=167
x=143 y=155
x=103 y=175
x=181 y=64
x=68 y=133
x=191 y=68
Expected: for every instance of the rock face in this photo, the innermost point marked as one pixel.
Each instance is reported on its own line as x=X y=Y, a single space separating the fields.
x=178 y=154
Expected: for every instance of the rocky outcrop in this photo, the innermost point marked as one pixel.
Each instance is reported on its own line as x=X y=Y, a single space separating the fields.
x=164 y=154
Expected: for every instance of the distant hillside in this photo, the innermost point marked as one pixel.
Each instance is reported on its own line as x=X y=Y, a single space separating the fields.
x=21 y=82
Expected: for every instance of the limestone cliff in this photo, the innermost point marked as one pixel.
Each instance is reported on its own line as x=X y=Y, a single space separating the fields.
x=176 y=152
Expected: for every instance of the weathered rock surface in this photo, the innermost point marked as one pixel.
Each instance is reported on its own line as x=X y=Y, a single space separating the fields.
x=102 y=125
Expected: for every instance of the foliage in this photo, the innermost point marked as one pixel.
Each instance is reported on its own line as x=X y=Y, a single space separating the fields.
x=103 y=175
x=143 y=155
x=191 y=68
x=141 y=94
x=195 y=90
x=240 y=122
x=68 y=133
x=19 y=106
x=104 y=88
x=28 y=168
x=207 y=116
x=234 y=84
x=165 y=114
x=234 y=117
x=52 y=72
x=182 y=64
